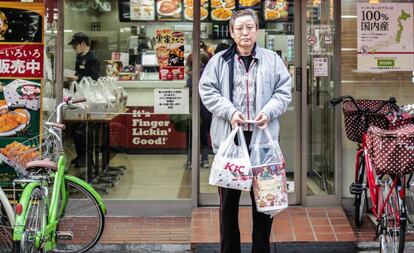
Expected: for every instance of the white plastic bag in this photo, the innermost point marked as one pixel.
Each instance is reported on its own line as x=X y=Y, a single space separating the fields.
x=269 y=175
x=231 y=166
x=78 y=112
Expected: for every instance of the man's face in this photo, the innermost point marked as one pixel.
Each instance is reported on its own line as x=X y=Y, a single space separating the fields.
x=79 y=47
x=244 y=31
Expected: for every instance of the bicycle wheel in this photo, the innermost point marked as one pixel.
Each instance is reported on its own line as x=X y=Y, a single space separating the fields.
x=36 y=218
x=6 y=230
x=82 y=223
x=361 y=198
x=409 y=203
x=392 y=234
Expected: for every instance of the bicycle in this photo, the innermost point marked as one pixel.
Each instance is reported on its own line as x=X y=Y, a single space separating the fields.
x=6 y=209
x=72 y=217
x=364 y=119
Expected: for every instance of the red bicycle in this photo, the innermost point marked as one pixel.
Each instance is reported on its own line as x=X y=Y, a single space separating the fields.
x=380 y=167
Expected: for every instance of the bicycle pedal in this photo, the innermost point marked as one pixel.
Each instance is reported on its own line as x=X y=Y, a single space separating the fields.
x=64 y=235
x=355 y=188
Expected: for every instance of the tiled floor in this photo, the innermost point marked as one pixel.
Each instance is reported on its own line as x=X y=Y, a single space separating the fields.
x=296 y=224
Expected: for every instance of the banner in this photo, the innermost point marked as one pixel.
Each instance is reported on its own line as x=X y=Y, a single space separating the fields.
x=21 y=78
x=385 y=37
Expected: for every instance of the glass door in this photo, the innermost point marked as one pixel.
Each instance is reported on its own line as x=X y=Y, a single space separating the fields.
x=281 y=35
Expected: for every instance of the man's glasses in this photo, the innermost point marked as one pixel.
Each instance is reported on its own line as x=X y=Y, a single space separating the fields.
x=240 y=29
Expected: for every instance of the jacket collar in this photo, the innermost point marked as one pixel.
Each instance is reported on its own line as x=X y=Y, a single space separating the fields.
x=233 y=50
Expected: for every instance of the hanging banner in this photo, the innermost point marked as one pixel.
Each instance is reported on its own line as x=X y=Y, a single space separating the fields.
x=385 y=37
x=21 y=76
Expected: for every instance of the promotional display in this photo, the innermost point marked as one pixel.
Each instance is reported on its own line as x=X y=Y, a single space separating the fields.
x=169 y=48
x=21 y=71
x=385 y=33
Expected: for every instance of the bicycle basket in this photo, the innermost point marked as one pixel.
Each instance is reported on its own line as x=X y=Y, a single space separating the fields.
x=406 y=116
x=357 y=123
x=391 y=151
x=18 y=154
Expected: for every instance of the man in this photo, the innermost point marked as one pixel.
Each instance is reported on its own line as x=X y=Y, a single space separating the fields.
x=86 y=65
x=245 y=82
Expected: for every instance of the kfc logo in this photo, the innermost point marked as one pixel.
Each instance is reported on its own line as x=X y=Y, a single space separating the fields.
x=234 y=168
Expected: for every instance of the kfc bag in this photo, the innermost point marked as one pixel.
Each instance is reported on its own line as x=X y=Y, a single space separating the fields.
x=231 y=166
x=269 y=175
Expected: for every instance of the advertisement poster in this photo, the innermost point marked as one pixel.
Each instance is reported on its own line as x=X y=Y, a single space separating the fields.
x=385 y=33
x=222 y=10
x=142 y=10
x=169 y=10
x=147 y=131
x=275 y=10
x=169 y=47
x=21 y=73
x=188 y=11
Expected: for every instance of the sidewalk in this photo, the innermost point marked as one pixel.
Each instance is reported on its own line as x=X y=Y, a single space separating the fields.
x=297 y=229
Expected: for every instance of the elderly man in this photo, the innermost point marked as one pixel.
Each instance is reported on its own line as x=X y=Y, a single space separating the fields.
x=244 y=83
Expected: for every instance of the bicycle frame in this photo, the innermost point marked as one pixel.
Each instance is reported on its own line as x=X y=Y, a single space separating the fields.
x=373 y=186
x=59 y=195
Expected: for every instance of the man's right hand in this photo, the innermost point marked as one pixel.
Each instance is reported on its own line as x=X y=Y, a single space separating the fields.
x=236 y=119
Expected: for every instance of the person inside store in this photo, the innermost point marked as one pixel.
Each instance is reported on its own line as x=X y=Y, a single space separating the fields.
x=87 y=65
x=244 y=82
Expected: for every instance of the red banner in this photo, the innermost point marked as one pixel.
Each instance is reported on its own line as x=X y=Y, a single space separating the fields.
x=21 y=60
x=141 y=129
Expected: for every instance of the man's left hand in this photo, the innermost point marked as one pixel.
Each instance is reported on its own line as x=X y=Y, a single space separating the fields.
x=261 y=121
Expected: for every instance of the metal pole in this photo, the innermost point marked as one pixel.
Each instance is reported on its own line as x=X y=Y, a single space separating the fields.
x=195 y=158
x=59 y=52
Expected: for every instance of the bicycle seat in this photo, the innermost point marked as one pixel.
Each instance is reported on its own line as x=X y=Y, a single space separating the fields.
x=44 y=163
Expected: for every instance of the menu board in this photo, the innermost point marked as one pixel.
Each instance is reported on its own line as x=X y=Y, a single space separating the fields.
x=142 y=10
x=21 y=73
x=275 y=10
x=169 y=10
x=222 y=10
x=169 y=48
x=188 y=12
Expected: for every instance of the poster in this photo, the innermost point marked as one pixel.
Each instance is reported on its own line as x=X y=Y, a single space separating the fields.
x=146 y=132
x=275 y=10
x=169 y=48
x=169 y=10
x=222 y=10
x=142 y=10
x=21 y=75
x=188 y=10
x=385 y=37
x=320 y=67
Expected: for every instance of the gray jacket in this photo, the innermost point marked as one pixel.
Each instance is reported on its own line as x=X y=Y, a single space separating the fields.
x=273 y=92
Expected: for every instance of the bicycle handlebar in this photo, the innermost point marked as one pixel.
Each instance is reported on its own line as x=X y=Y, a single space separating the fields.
x=391 y=101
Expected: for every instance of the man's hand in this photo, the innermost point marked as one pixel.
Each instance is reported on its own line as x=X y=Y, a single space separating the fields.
x=261 y=121
x=72 y=78
x=237 y=119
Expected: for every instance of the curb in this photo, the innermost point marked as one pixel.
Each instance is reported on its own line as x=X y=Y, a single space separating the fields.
x=142 y=248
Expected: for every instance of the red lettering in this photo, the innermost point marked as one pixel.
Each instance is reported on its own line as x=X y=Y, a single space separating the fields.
x=234 y=168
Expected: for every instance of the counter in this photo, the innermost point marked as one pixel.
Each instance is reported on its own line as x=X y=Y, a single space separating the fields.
x=141 y=93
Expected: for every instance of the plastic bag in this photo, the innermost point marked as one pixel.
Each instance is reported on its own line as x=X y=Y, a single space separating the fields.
x=231 y=166
x=269 y=175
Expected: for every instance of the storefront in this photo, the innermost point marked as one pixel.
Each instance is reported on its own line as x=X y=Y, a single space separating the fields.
x=141 y=150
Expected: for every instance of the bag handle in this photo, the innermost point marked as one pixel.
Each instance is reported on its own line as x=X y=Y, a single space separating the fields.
x=229 y=141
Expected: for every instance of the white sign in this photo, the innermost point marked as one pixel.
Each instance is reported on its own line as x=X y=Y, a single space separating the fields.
x=385 y=37
x=320 y=67
x=290 y=186
x=171 y=101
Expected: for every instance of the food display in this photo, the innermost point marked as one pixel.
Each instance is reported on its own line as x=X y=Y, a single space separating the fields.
x=274 y=10
x=249 y=3
x=19 y=153
x=222 y=10
x=4 y=25
x=169 y=48
x=142 y=10
x=169 y=9
x=188 y=11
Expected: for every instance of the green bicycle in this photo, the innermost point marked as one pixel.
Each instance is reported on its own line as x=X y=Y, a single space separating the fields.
x=56 y=212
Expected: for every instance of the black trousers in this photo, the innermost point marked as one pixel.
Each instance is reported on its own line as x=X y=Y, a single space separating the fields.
x=229 y=223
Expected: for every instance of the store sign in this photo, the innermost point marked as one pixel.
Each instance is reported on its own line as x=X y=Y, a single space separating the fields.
x=320 y=67
x=21 y=60
x=385 y=37
x=100 y=5
x=146 y=131
x=171 y=101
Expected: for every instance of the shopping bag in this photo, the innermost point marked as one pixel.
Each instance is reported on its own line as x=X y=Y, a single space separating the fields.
x=231 y=166
x=269 y=175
